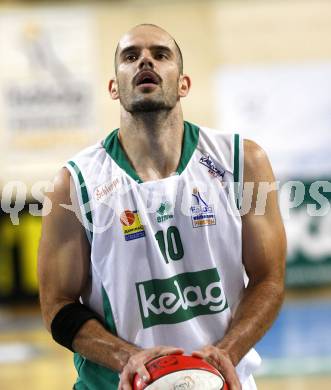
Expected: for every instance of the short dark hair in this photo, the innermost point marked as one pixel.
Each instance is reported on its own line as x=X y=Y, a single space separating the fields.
x=179 y=52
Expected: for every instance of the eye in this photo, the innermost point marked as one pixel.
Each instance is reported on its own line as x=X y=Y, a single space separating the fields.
x=161 y=56
x=131 y=57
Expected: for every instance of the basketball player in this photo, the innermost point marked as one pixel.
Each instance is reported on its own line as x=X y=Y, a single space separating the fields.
x=156 y=259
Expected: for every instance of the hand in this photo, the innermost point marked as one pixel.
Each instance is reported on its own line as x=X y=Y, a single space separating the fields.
x=220 y=359
x=137 y=361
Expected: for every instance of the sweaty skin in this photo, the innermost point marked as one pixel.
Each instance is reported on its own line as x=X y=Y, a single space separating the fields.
x=152 y=141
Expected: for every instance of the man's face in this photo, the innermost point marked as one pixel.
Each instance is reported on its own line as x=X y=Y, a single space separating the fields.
x=147 y=75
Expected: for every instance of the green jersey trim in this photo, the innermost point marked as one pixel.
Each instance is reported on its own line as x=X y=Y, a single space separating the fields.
x=236 y=170
x=114 y=148
x=116 y=152
x=190 y=142
x=108 y=313
x=236 y=159
x=85 y=200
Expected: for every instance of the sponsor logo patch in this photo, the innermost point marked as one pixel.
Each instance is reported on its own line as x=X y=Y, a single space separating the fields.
x=106 y=189
x=131 y=225
x=202 y=214
x=180 y=298
x=164 y=212
x=212 y=169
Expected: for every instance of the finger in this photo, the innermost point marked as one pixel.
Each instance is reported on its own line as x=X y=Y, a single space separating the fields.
x=163 y=347
x=198 y=354
x=164 y=350
x=232 y=380
x=233 y=385
x=143 y=373
x=221 y=364
x=172 y=351
x=230 y=374
x=125 y=380
x=215 y=360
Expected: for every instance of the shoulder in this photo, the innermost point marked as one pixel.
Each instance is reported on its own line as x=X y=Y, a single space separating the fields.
x=214 y=133
x=60 y=191
x=63 y=181
x=216 y=141
x=89 y=152
x=217 y=136
x=254 y=153
x=86 y=166
x=62 y=217
x=256 y=162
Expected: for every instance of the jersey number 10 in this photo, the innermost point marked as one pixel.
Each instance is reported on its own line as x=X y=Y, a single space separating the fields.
x=174 y=248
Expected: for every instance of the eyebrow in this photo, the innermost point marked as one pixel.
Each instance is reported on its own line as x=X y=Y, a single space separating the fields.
x=133 y=48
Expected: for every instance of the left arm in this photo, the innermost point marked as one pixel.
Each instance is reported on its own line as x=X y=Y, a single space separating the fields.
x=263 y=252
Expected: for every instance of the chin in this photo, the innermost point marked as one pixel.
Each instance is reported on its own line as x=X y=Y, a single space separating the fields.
x=148 y=105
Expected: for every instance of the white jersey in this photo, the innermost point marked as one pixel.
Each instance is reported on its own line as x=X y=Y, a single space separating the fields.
x=166 y=255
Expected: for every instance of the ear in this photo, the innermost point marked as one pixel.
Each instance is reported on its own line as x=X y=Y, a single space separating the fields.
x=184 y=85
x=112 y=88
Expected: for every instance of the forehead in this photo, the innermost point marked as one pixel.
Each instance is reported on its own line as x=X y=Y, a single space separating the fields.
x=146 y=36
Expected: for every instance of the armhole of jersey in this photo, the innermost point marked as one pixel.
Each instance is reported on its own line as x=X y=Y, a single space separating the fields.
x=238 y=168
x=83 y=198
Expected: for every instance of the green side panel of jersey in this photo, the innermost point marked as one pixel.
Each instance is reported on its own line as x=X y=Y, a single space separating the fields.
x=108 y=313
x=92 y=376
x=115 y=150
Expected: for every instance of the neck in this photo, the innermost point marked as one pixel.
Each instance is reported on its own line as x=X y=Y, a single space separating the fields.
x=152 y=141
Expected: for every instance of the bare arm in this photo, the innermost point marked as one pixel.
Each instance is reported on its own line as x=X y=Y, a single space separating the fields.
x=63 y=266
x=263 y=251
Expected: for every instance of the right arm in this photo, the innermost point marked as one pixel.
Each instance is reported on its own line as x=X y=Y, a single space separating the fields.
x=63 y=267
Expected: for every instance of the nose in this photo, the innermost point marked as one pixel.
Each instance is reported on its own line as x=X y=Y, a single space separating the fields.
x=146 y=60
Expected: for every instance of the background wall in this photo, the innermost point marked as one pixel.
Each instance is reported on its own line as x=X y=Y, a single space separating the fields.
x=260 y=68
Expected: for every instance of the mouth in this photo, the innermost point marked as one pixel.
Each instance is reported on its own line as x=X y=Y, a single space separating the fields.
x=147 y=78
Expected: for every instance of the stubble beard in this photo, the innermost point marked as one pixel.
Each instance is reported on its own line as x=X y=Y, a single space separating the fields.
x=148 y=106
x=142 y=103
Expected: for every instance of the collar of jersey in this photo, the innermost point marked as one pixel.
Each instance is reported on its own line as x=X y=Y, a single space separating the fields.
x=114 y=148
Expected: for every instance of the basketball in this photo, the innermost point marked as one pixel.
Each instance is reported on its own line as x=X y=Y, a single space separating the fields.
x=180 y=372
x=127 y=218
